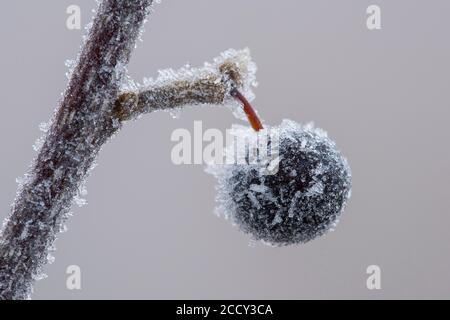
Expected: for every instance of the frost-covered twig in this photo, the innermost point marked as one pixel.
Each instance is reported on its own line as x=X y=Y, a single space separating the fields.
x=79 y=128
x=91 y=111
x=211 y=84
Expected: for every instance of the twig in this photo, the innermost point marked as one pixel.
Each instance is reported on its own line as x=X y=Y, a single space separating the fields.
x=212 y=84
x=92 y=110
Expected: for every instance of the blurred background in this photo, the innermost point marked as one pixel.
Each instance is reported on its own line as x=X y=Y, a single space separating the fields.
x=149 y=231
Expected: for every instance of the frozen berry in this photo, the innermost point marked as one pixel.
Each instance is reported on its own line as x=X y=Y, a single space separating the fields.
x=302 y=200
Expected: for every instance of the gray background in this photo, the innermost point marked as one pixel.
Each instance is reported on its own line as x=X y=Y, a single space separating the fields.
x=149 y=230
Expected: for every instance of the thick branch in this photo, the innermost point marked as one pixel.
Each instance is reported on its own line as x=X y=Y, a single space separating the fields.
x=79 y=128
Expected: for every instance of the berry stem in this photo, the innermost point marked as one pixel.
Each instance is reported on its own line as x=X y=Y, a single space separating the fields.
x=248 y=109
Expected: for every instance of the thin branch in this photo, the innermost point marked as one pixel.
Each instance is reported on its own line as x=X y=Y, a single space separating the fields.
x=92 y=110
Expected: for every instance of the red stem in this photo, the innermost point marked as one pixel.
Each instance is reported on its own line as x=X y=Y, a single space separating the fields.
x=249 y=111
